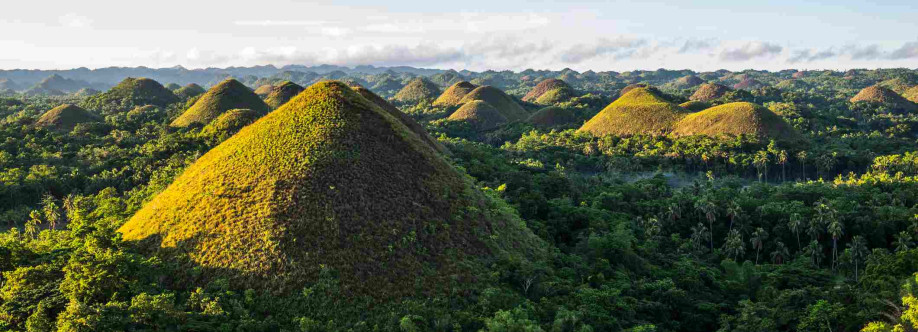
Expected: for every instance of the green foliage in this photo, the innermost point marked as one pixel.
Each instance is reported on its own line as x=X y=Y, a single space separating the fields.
x=480 y=115
x=508 y=107
x=282 y=93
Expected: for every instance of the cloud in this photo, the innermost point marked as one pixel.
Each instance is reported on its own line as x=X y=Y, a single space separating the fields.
x=907 y=51
x=279 y=23
x=811 y=55
x=692 y=45
x=751 y=51
x=73 y=20
x=619 y=48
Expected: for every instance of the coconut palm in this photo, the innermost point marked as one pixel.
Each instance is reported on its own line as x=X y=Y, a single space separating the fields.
x=802 y=155
x=903 y=241
x=814 y=250
x=699 y=234
x=734 y=211
x=794 y=223
x=709 y=210
x=782 y=159
x=835 y=229
x=859 y=252
x=780 y=253
x=734 y=245
x=761 y=164
x=758 y=240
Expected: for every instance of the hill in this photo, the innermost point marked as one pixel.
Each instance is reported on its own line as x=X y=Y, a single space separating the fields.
x=640 y=111
x=417 y=90
x=748 y=84
x=86 y=92
x=887 y=97
x=189 y=91
x=792 y=84
x=8 y=84
x=911 y=94
x=282 y=93
x=331 y=182
x=57 y=82
x=708 y=92
x=481 y=115
x=552 y=116
x=687 y=82
x=65 y=117
x=549 y=91
x=500 y=100
x=453 y=95
x=228 y=123
x=135 y=91
x=229 y=94
x=413 y=125
x=630 y=87
x=740 y=118
x=264 y=89
x=695 y=106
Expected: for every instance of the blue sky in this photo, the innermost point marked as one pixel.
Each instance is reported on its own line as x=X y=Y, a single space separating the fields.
x=472 y=34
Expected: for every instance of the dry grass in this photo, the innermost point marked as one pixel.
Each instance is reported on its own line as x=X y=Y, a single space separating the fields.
x=708 y=92
x=500 y=100
x=887 y=97
x=549 y=91
x=282 y=93
x=481 y=115
x=695 y=106
x=229 y=94
x=453 y=95
x=189 y=91
x=413 y=125
x=417 y=90
x=640 y=111
x=736 y=119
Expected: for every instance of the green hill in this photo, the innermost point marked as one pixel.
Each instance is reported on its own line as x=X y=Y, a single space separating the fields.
x=640 y=111
x=172 y=86
x=8 y=84
x=229 y=94
x=413 y=125
x=281 y=93
x=748 y=84
x=792 y=84
x=710 y=91
x=228 y=123
x=264 y=90
x=887 y=97
x=135 y=91
x=453 y=95
x=549 y=91
x=417 y=90
x=911 y=94
x=481 y=115
x=740 y=118
x=331 y=181
x=695 y=106
x=65 y=117
x=630 y=87
x=189 y=91
x=687 y=82
x=500 y=100
x=897 y=84
x=552 y=116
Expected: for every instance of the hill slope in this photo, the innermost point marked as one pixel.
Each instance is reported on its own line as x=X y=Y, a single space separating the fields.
x=878 y=94
x=640 y=111
x=453 y=95
x=740 y=118
x=708 y=92
x=188 y=91
x=552 y=116
x=911 y=94
x=65 y=117
x=549 y=91
x=481 y=115
x=135 y=91
x=332 y=181
x=500 y=100
x=282 y=93
x=417 y=90
x=229 y=94
x=413 y=125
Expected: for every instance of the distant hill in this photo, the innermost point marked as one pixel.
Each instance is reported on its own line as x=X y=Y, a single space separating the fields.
x=264 y=90
x=189 y=90
x=59 y=83
x=229 y=94
x=480 y=115
x=710 y=91
x=229 y=123
x=65 y=117
x=500 y=100
x=792 y=84
x=8 y=84
x=748 y=84
x=552 y=116
x=640 y=111
x=549 y=91
x=413 y=125
x=695 y=105
x=687 y=82
x=881 y=95
x=329 y=181
x=281 y=93
x=740 y=118
x=454 y=94
x=136 y=91
x=898 y=84
x=417 y=90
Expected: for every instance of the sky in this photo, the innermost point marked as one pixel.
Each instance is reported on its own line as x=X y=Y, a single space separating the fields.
x=470 y=34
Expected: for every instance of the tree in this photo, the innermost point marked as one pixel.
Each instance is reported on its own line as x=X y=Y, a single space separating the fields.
x=821 y=316
x=903 y=241
x=780 y=253
x=859 y=252
x=51 y=210
x=31 y=226
x=794 y=223
x=758 y=240
x=699 y=234
x=782 y=159
x=515 y=320
x=836 y=230
x=709 y=210
x=734 y=245
x=814 y=251
x=761 y=164
x=734 y=211
x=802 y=155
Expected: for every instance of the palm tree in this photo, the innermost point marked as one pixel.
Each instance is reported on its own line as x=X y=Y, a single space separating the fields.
x=794 y=223
x=814 y=250
x=734 y=244
x=782 y=159
x=761 y=164
x=903 y=241
x=51 y=211
x=758 y=239
x=709 y=209
x=699 y=234
x=734 y=211
x=780 y=253
x=802 y=157
x=674 y=211
x=859 y=252
x=836 y=230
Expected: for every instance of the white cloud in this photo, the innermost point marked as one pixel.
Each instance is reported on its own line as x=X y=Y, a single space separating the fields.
x=73 y=20
x=620 y=47
x=751 y=50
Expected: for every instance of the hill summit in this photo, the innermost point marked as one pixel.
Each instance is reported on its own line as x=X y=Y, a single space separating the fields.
x=739 y=118
x=480 y=115
x=708 y=92
x=136 y=91
x=330 y=181
x=65 y=117
x=500 y=100
x=413 y=125
x=416 y=90
x=639 y=111
x=549 y=91
x=229 y=94
x=281 y=93
x=188 y=91
x=552 y=116
x=453 y=95
x=878 y=94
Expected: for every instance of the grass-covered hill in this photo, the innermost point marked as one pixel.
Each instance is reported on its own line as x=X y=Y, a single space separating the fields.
x=792 y=84
x=281 y=93
x=413 y=125
x=453 y=95
x=133 y=92
x=500 y=100
x=331 y=181
x=228 y=123
x=480 y=115
x=417 y=90
x=552 y=116
x=229 y=94
x=709 y=91
x=695 y=106
x=887 y=97
x=8 y=84
x=57 y=82
x=630 y=87
x=748 y=84
x=188 y=91
x=65 y=117
x=911 y=94
x=549 y=91
x=640 y=111
x=264 y=89
x=686 y=82
x=739 y=118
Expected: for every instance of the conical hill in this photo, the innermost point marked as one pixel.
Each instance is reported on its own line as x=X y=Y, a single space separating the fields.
x=480 y=115
x=739 y=118
x=417 y=90
x=640 y=111
x=710 y=91
x=398 y=114
x=878 y=94
x=549 y=91
x=229 y=94
x=453 y=95
x=500 y=100
x=282 y=93
x=330 y=181
x=65 y=117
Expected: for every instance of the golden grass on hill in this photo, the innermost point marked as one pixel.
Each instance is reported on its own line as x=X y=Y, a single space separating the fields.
x=695 y=106
x=897 y=84
x=65 y=117
x=228 y=123
x=413 y=125
x=282 y=93
x=549 y=91
x=229 y=94
x=453 y=95
x=331 y=180
x=630 y=87
x=481 y=115
x=417 y=90
x=500 y=100
x=190 y=90
x=911 y=94
x=264 y=90
x=710 y=91
x=640 y=111
x=688 y=81
x=740 y=118
x=878 y=94
x=552 y=116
